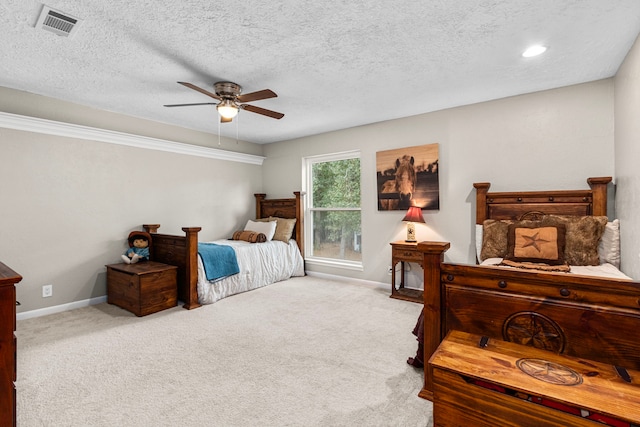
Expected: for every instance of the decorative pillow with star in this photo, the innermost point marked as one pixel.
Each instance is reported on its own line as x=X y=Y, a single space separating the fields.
x=540 y=244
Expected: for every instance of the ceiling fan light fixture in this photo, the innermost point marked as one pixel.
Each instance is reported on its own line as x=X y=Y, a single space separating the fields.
x=227 y=109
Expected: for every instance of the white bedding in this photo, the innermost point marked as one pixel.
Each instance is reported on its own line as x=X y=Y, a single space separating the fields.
x=606 y=270
x=260 y=264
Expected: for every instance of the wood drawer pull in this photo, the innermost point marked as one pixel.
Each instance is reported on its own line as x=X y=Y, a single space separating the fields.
x=502 y=284
x=564 y=292
x=450 y=278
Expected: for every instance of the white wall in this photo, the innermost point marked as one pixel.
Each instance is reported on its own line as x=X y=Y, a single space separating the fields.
x=627 y=125
x=554 y=139
x=69 y=204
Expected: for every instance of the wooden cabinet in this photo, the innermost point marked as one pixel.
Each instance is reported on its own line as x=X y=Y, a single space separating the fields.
x=142 y=288
x=8 y=280
x=402 y=252
x=506 y=384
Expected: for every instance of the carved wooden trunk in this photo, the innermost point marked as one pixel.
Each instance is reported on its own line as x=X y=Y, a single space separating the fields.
x=573 y=315
x=507 y=384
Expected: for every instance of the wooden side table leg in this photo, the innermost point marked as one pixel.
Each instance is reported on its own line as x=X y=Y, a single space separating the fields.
x=394 y=291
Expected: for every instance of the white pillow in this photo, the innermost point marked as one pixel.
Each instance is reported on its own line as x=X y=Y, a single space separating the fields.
x=267 y=228
x=479 y=242
x=609 y=247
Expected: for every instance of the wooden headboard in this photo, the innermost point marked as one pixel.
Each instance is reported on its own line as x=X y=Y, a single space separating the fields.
x=284 y=208
x=512 y=205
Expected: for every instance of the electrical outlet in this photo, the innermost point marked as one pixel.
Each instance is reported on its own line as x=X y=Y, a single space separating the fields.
x=47 y=291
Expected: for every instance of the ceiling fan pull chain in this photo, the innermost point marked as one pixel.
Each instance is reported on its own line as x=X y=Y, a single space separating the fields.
x=237 y=127
x=219 y=144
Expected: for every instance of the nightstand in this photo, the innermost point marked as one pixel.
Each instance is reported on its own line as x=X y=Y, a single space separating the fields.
x=142 y=288
x=402 y=252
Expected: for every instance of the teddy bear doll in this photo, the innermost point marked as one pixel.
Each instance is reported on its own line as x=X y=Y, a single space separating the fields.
x=138 y=247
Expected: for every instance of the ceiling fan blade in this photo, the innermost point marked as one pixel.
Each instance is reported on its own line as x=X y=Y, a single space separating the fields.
x=256 y=96
x=188 y=105
x=225 y=120
x=263 y=111
x=194 y=87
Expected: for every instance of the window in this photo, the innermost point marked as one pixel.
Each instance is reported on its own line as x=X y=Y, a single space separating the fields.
x=333 y=210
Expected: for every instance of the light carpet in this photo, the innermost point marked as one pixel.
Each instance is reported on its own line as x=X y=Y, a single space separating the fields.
x=303 y=352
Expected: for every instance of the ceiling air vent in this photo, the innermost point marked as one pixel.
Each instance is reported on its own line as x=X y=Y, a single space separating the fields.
x=56 y=22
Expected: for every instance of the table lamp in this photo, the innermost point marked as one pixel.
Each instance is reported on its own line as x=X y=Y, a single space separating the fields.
x=414 y=214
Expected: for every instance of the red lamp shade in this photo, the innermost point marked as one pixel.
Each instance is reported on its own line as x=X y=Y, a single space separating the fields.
x=414 y=214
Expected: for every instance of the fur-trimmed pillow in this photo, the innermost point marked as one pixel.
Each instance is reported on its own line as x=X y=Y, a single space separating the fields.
x=536 y=244
x=494 y=238
x=583 y=234
x=249 y=236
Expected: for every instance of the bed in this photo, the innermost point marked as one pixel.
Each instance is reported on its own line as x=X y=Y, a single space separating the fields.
x=182 y=251
x=591 y=317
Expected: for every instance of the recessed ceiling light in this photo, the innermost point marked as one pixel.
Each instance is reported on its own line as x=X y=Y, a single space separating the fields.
x=534 y=51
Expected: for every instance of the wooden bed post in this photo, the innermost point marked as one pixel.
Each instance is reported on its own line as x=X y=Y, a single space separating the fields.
x=191 y=269
x=599 y=188
x=151 y=229
x=433 y=253
x=481 y=200
x=259 y=198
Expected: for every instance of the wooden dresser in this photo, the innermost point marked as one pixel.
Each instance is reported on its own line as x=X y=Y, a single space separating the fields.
x=8 y=280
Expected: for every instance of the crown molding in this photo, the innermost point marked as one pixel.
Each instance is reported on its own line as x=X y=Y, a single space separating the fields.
x=69 y=130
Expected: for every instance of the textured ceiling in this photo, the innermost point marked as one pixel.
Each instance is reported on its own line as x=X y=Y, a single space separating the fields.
x=334 y=64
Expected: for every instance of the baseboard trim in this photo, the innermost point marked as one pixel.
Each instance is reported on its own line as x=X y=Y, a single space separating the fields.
x=348 y=279
x=60 y=308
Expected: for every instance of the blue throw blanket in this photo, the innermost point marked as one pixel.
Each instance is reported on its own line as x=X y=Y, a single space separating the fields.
x=219 y=261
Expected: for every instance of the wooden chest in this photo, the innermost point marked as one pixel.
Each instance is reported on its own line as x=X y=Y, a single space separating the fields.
x=142 y=288
x=507 y=384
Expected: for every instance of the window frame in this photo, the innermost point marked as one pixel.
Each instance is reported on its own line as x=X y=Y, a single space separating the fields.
x=308 y=162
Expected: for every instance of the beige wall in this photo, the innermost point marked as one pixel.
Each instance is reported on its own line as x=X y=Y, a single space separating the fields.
x=554 y=139
x=68 y=204
x=627 y=149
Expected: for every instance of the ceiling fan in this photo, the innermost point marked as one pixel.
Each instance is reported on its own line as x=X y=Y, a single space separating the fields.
x=231 y=100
